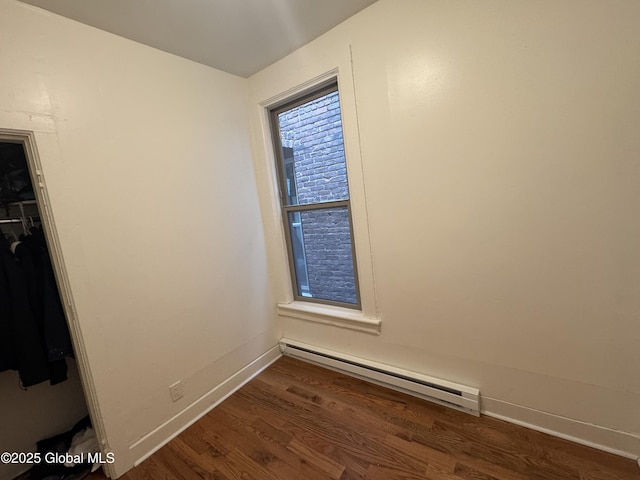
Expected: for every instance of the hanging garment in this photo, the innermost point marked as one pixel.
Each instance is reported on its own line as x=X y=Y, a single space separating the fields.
x=35 y=336
x=56 y=331
x=29 y=355
x=8 y=359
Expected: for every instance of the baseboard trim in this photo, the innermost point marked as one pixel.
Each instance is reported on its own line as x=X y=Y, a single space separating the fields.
x=163 y=434
x=612 y=441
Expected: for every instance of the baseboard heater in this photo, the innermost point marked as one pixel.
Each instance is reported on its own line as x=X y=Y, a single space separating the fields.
x=460 y=397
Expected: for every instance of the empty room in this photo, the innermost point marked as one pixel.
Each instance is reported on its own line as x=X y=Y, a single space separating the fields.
x=324 y=239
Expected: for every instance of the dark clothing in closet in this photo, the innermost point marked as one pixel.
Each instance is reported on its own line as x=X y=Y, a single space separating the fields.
x=8 y=359
x=35 y=337
x=56 y=332
x=28 y=349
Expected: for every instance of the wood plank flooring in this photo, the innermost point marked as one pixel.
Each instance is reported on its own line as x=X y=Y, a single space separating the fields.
x=298 y=421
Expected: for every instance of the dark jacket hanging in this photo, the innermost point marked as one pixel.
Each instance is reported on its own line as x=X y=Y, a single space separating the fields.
x=35 y=337
x=8 y=360
x=30 y=358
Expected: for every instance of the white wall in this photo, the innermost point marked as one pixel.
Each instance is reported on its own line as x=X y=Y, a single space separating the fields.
x=500 y=154
x=499 y=151
x=148 y=166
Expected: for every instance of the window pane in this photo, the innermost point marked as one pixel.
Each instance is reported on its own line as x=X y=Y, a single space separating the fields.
x=313 y=152
x=323 y=262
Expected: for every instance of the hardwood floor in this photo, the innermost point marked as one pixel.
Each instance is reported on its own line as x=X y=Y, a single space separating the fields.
x=298 y=421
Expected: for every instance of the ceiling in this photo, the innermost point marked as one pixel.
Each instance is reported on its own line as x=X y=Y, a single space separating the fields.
x=237 y=36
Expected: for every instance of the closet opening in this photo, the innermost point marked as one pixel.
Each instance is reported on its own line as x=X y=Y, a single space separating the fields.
x=45 y=392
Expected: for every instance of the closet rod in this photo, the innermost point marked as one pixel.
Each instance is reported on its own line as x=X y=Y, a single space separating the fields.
x=19 y=220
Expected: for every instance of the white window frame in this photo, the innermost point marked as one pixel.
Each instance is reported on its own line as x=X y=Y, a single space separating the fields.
x=366 y=319
x=320 y=92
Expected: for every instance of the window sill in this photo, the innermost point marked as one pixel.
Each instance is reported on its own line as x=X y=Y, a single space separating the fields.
x=330 y=315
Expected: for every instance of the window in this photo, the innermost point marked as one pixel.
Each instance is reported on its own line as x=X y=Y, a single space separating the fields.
x=314 y=192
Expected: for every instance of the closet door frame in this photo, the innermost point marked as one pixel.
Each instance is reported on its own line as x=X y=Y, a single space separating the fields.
x=28 y=140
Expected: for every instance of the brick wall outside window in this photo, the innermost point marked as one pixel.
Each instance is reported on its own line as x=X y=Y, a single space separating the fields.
x=314 y=131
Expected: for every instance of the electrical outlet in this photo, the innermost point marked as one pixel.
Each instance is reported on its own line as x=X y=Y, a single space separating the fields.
x=176 y=391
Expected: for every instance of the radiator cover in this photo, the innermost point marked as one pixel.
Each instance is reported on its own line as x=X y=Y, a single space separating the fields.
x=453 y=395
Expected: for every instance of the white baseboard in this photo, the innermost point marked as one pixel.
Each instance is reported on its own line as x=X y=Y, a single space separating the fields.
x=613 y=441
x=163 y=434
